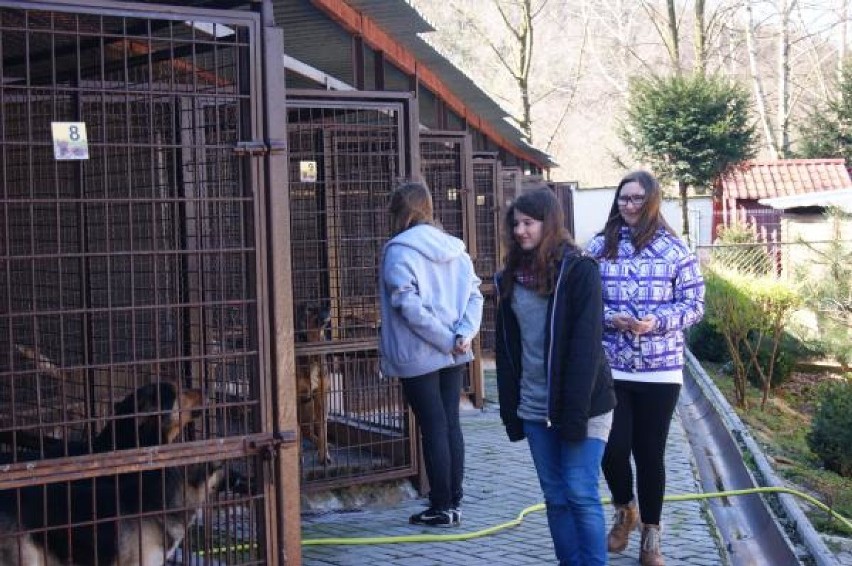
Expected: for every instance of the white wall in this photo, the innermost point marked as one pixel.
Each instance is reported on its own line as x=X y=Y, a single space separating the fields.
x=591 y=207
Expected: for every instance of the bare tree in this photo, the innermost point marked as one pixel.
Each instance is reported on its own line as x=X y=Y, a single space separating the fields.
x=700 y=39
x=757 y=83
x=512 y=47
x=668 y=28
x=563 y=69
x=785 y=8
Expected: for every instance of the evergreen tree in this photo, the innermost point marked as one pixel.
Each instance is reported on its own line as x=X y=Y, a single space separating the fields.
x=689 y=129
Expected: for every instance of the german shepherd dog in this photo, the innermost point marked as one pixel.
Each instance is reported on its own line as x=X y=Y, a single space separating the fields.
x=141 y=518
x=92 y=521
x=312 y=380
x=153 y=414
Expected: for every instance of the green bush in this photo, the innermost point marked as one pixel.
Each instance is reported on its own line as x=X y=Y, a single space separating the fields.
x=830 y=437
x=707 y=343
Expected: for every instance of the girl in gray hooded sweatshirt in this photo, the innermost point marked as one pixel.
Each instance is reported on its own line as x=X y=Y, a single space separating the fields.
x=431 y=310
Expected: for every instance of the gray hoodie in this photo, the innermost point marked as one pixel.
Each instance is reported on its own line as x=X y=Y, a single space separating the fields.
x=429 y=294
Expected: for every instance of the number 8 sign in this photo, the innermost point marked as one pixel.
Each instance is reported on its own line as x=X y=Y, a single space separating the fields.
x=69 y=140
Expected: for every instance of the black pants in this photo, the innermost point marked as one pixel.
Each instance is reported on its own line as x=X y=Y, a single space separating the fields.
x=640 y=426
x=434 y=398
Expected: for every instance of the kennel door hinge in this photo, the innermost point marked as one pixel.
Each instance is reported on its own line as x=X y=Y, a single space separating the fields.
x=257 y=147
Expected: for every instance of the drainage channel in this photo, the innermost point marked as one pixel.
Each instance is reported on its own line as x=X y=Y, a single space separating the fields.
x=749 y=530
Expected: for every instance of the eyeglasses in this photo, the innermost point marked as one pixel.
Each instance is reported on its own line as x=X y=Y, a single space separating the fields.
x=635 y=200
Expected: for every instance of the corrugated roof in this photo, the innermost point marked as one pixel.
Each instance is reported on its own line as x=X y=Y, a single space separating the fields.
x=395 y=16
x=841 y=198
x=767 y=179
x=474 y=97
x=310 y=38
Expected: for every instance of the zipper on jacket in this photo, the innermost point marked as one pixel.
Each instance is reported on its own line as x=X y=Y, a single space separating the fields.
x=550 y=346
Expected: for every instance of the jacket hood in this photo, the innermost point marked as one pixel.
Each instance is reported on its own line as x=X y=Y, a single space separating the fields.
x=431 y=242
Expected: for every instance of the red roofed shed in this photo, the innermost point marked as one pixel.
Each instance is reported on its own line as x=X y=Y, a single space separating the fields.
x=740 y=190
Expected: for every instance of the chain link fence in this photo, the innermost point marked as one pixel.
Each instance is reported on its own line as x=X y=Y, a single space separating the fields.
x=793 y=261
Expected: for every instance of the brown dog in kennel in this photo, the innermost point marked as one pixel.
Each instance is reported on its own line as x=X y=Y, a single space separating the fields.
x=312 y=380
x=153 y=414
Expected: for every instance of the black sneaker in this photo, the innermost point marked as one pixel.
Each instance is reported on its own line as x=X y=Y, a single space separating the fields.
x=433 y=518
x=456 y=513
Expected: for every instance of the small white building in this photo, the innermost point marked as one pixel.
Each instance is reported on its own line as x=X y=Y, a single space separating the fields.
x=591 y=207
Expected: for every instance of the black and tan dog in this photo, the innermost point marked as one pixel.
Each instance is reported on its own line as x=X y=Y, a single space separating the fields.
x=312 y=380
x=141 y=518
x=52 y=525
x=153 y=414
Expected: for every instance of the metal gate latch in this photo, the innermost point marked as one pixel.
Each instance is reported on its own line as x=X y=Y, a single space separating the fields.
x=268 y=446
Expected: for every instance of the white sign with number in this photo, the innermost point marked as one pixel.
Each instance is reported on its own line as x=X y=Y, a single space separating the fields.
x=308 y=171
x=69 y=140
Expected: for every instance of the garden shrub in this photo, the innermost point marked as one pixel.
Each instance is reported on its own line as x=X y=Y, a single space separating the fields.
x=788 y=353
x=749 y=310
x=707 y=343
x=830 y=436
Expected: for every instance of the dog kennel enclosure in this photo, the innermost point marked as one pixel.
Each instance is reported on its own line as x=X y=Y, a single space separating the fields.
x=135 y=303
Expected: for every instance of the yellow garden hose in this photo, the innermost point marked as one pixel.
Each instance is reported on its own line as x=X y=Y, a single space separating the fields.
x=526 y=511
x=540 y=506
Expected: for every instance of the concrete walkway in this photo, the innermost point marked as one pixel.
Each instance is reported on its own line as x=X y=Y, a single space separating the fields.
x=500 y=481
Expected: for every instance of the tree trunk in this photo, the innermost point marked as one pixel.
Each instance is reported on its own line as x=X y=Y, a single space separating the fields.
x=525 y=64
x=759 y=97
x=684 y=210
x=675 y=36
x=783 y=112
x=841 y=50
x=700 y=39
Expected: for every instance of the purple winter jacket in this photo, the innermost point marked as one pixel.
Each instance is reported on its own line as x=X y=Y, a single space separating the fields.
x=663 y=280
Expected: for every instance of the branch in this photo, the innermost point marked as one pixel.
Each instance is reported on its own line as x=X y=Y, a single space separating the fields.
x=570 y=103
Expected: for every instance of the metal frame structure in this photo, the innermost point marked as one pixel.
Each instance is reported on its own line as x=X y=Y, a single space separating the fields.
x=447 y=168
x=347 y=151
x=488 y=199
x=144 y=268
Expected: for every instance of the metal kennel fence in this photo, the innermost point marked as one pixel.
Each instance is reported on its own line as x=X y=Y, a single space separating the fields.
x=487 y=185
x=132 y=283
x=447 y=168
x=347 y=151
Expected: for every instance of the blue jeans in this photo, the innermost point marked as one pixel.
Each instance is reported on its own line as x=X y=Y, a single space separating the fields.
x=569 y=474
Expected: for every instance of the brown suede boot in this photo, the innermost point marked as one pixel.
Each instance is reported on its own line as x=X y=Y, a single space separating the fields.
x=625 y=520
x=651 y=542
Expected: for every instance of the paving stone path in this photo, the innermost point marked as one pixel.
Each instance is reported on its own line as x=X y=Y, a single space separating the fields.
x=500 y=481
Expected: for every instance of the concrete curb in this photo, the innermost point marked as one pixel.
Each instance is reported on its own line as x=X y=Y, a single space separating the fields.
x=810 y=537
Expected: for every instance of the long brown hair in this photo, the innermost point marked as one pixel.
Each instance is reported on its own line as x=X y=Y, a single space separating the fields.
x=542 y=262
x=410 y=204
x=650 y=218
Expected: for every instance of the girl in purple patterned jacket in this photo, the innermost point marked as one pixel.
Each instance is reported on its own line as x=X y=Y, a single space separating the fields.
x=652 y=291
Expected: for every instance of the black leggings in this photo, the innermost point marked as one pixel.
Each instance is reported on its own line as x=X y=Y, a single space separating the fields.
x=434 y=398
x=640 y=426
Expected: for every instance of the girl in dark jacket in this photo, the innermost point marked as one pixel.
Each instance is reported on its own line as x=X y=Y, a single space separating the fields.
x=554 y=382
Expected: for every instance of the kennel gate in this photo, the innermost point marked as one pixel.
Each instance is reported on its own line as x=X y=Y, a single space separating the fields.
x=447 y=168
x=511 y=178
x=347 y=152
x=488 y=197
x=136 y=273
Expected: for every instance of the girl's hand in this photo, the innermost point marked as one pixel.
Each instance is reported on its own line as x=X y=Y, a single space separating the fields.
x=623 y=322
x=462 y=345
x=644 y=325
